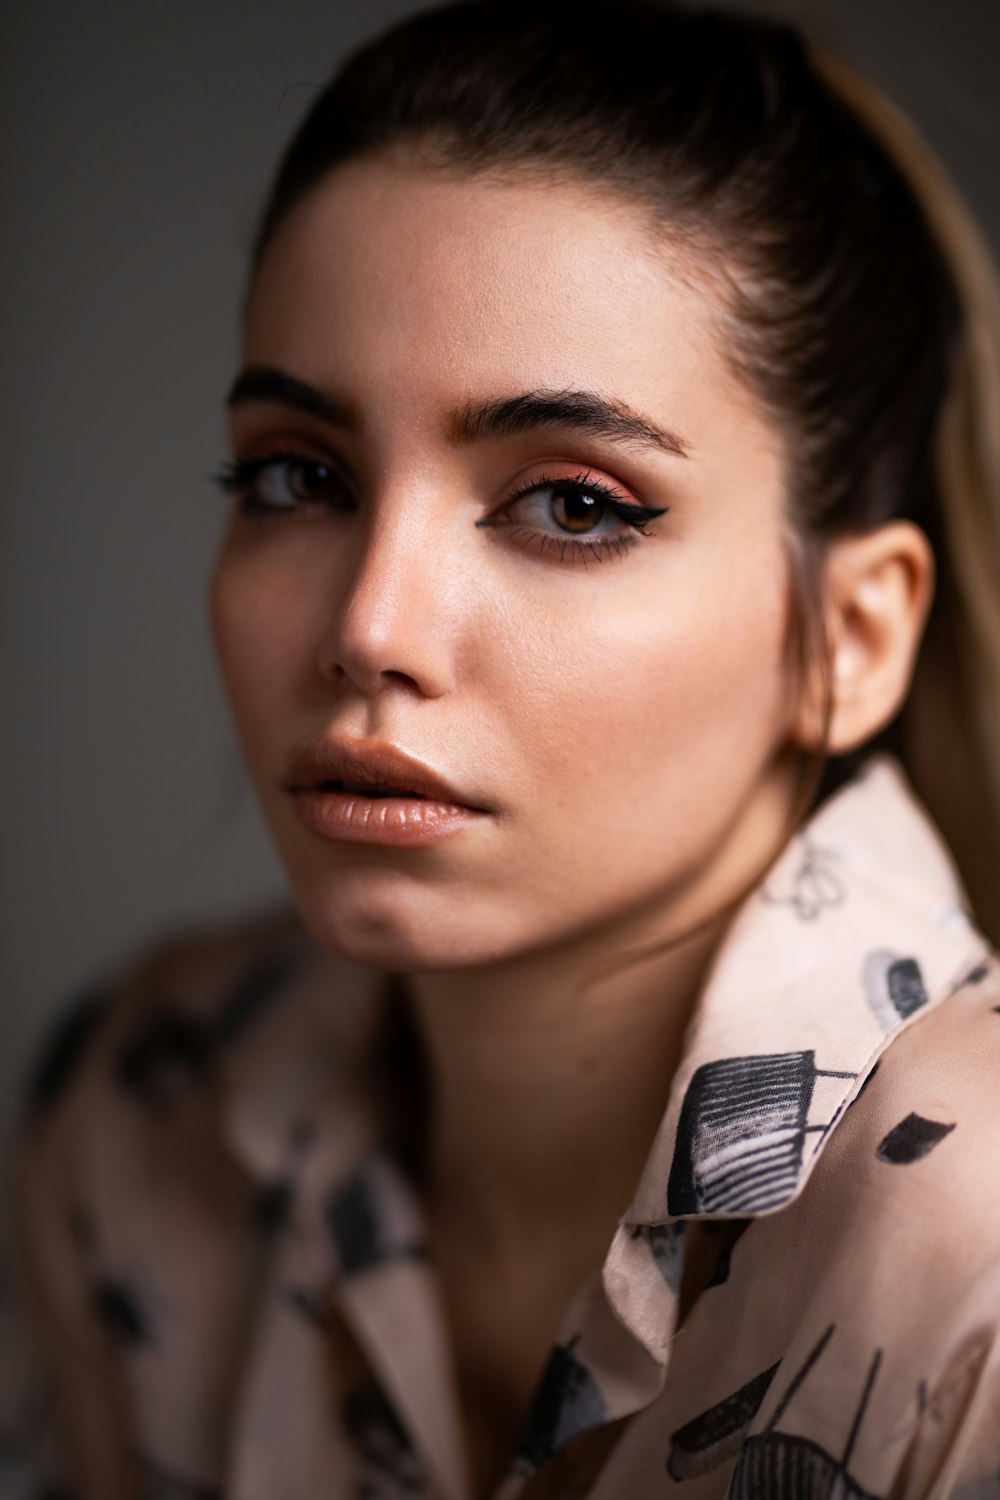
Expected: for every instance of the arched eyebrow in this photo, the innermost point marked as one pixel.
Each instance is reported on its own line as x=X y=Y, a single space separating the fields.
x=584 y=411
x=266 y=383
x=475 y=421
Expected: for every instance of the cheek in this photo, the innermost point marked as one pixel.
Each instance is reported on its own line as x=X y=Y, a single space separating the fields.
x=261 y=631
x=659 y=710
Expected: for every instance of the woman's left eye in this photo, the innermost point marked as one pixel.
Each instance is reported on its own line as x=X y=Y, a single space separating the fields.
x=280 y=482
x=576 y=516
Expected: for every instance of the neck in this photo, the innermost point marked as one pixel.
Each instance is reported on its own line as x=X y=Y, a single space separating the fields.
x=548 y=1093
x=548 y=1085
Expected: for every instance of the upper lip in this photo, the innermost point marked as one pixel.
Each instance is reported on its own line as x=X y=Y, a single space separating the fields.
x=374 y=762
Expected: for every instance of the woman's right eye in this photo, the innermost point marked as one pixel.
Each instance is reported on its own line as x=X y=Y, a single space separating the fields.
x=281 y=482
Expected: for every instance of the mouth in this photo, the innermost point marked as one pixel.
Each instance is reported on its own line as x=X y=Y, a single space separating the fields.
x=368 y=791
x=376 y=789
x=370 y=768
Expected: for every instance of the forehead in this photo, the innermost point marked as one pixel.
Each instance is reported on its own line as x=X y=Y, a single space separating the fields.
x=393 y=281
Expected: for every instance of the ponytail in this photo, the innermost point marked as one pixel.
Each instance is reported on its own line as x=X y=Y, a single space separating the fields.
x=950 y=728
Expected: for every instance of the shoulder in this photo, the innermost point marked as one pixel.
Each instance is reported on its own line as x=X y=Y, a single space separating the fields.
x=186 y=985
x=167 y=1099
x=889 y=1258
x=920 y=1269
x=183 y=1034
x=118 y=1177
x=896 y=1230
x=907 y=1185
x=927 y=1111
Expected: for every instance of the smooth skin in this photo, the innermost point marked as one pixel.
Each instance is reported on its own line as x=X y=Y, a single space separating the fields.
x=630 y=721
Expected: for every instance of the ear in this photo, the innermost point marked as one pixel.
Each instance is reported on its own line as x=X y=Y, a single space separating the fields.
x=878 y=589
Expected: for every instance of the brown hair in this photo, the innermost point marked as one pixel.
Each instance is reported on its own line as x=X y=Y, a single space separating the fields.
x=865 y=312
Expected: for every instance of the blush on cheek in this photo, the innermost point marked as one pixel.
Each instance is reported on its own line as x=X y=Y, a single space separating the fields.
x=258 y=624
x=641 y=689
x=637 y=782
x=255 y=668
x=233 y=610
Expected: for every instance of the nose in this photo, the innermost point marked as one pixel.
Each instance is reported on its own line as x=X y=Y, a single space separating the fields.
x=393 y=620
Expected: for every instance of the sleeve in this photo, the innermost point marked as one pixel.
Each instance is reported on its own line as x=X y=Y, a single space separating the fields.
x=62 y=1409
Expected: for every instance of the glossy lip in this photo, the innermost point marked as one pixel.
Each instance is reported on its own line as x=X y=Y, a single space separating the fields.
x=437 y=808
x=374 y=762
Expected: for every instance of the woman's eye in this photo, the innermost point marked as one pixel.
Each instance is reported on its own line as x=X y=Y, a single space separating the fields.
x=281 y=482
x=577 y=518
x=577 y=511
x=293 y=480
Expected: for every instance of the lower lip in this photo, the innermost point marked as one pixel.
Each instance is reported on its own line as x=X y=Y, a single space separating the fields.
x=402 y=822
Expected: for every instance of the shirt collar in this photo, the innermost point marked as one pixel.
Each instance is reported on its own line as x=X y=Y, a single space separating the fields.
x=861 y=926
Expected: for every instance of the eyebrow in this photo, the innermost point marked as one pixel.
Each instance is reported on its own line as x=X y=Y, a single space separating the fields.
x=476 y=421
x=265 y=383
x=584 y=411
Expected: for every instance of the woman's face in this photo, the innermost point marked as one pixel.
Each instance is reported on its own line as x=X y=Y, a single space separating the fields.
x=468 y=375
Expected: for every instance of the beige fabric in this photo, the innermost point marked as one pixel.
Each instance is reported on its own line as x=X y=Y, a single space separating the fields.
x=220 y=1274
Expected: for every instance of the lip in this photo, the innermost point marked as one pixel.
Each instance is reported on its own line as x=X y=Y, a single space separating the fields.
x=438 y=807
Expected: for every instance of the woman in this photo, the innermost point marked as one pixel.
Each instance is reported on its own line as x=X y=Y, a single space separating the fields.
x=609 y=613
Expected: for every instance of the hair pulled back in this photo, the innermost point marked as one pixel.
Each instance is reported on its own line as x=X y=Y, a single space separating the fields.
x=864 y=310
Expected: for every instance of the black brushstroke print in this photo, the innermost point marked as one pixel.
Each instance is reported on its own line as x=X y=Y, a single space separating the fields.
x=567 y=1402
x=911 y=1139
x=816 y=885
x=977 y=975
x=358 y=1230
x=906 y=987
x=271 y=1204
x=170 y=1050
x=352 y=1219
x=251 y=994
x=120 y=1310
x=63 y=1050
x=666 y=1243
x=741 y=1133
x=786 y=1466
x=156 y=1482
x=716 y=1434
x=894 y=987
x=273 y=1201
x=392 y=1467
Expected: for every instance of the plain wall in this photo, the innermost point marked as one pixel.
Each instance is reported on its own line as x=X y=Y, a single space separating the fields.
x=136 y=143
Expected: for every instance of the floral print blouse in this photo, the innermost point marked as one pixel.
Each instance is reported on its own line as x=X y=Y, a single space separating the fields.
x=218 y=1282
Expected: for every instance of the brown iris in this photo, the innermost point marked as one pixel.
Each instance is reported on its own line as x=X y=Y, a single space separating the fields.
x=308 y=479
x=576 y=510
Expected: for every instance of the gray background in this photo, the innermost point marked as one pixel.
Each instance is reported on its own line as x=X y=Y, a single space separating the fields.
x=136 y=142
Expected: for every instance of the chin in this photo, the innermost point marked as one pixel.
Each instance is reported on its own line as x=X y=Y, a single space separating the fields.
x=407 y=932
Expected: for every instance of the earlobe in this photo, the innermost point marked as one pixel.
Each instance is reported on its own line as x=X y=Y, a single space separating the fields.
x=877 y=590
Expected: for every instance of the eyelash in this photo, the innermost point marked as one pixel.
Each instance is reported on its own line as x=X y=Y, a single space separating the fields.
x=238 y=476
